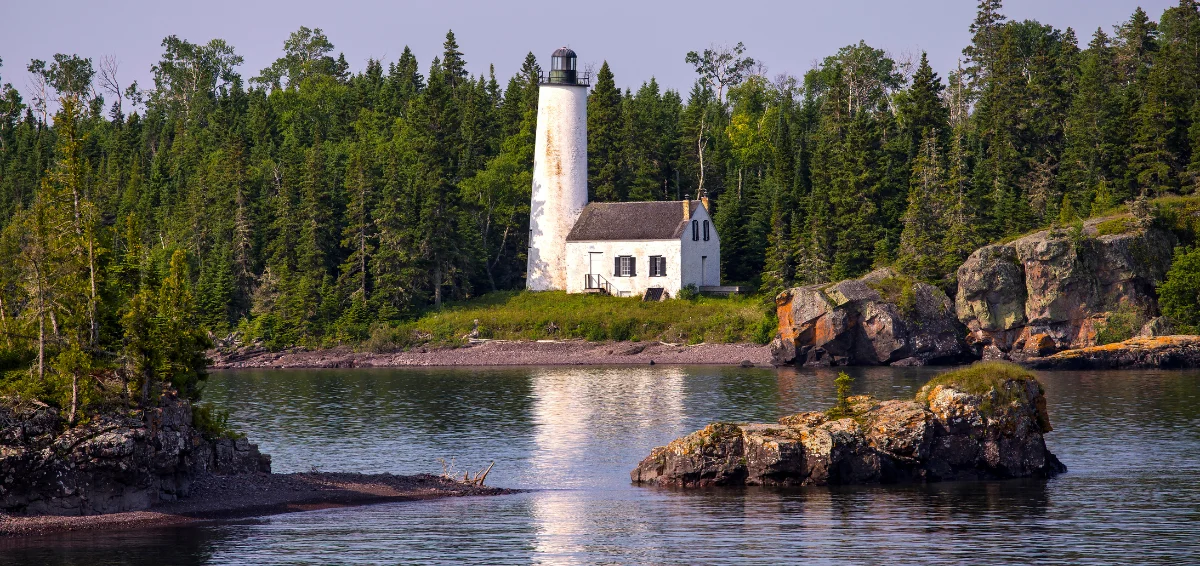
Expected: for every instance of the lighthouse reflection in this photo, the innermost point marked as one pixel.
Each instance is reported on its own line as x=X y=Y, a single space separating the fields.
x=585 y=419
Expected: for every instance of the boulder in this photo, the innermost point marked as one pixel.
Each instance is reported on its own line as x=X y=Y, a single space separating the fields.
x=882 y=318
x=1049 y=291
x=950 y=432
x=116 y=462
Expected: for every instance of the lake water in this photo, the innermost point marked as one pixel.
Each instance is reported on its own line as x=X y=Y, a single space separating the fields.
x=1130 y=439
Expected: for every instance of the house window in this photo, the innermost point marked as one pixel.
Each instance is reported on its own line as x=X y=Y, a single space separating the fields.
x=695 y=230
x=624 y=266
x=705 y=230
x=658 y=266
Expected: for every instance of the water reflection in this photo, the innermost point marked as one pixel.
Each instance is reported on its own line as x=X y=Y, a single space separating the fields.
x=1130 y=439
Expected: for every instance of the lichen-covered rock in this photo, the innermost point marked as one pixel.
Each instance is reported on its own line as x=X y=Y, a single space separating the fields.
x=114 y=463
x=1167 y=352
x=949 y=433
x=882 y=318
x=1048 y=291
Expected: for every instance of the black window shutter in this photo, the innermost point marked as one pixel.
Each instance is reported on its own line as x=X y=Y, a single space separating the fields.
x=632 y=266
x=617 y=266
x=705 y=230
x=662 y=267
x=695 y=230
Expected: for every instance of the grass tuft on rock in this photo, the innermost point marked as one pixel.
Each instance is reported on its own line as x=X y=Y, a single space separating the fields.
x=977 y=379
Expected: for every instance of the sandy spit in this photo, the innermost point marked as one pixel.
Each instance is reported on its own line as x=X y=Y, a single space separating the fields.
x=504 y=353
x=216 y=498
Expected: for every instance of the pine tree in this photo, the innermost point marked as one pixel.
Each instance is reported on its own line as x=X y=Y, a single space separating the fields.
x=605 y=149
x=924 y=230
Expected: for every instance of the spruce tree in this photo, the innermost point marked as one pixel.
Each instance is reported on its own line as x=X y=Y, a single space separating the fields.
x=605 y=142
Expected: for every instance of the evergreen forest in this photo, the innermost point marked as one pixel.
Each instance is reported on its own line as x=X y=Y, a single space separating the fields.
x=308 y=203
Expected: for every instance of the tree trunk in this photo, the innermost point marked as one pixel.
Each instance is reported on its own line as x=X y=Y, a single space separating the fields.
x=74 y=397
x=93 y=328
x=437 y=286
x=4 y=324
x=41 y=339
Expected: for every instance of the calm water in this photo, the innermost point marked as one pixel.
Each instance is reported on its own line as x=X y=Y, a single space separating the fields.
x=1130 y=439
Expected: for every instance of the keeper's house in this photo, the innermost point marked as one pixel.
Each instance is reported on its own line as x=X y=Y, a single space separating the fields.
x=627 y=248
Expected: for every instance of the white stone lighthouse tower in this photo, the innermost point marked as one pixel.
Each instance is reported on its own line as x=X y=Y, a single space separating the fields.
x=559 y=171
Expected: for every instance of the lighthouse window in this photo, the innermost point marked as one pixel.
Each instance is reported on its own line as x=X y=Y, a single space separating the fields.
x=658 y=266
x=624 y=266
x=695 y=230
x=705 y=230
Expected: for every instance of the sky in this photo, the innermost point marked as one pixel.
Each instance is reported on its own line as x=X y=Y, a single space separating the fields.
x=639 y=39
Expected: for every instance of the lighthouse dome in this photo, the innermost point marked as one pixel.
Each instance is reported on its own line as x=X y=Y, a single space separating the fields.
x=563 y=67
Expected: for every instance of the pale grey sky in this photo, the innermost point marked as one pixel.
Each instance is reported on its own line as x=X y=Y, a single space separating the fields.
x=639 y=39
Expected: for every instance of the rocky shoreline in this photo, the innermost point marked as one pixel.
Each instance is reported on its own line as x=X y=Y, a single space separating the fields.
x=222 y=497
x=1160 y=352
x=501 y=353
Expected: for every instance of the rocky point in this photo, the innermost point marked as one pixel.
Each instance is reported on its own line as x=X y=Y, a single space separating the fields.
x=116 y=462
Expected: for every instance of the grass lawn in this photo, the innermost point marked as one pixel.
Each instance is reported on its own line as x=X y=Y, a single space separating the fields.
x=513 y=315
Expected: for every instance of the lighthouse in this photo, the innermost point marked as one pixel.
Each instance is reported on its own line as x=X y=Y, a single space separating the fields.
x=559 y=170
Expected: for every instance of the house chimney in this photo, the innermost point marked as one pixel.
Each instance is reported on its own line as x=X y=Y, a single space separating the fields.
x=704 y=201
x=687 y=208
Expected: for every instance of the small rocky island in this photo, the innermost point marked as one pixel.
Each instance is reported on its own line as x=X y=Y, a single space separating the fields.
x=981 y=422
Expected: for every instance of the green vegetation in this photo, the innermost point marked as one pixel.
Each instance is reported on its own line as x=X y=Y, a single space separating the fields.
x=841 y=408
x=1179 y=295
x=314 y=204
x=1121 y=324
x=977 y=378
x=555 y=315
x=1114 y=227
x=213 y=424
x=897 y=290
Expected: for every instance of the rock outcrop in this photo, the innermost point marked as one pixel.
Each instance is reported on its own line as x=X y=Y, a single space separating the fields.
x=880 y=319
x=115 y=463
x=951 y=432
x=1050 y=290
x=1170 y=352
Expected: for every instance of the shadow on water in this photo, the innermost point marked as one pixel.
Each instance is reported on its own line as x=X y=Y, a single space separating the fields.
x=150 y=546
x=1130 y=439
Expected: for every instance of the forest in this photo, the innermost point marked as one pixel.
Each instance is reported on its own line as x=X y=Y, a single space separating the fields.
x=310 y=203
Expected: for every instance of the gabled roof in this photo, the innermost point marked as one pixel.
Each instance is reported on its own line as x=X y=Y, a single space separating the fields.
x=659 y=220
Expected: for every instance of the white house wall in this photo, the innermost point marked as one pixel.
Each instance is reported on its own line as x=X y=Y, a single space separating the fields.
x=578 y=265
x=559 y=182
x=693 y=253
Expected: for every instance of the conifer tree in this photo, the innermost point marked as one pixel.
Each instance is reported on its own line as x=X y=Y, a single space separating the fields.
x=605 y=179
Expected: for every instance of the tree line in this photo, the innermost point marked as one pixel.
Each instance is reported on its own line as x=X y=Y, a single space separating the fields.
x=310 y=202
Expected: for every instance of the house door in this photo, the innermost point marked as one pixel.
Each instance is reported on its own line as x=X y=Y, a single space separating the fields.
x=703 y=270
x=594 y=266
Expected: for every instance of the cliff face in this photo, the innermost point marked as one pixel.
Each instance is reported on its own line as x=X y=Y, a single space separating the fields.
x=115 y=463
x=1049 y=291
x=879 y=319
x=948 y=433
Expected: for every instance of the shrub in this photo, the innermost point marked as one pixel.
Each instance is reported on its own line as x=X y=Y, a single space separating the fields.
x=1179 y=295
x=213 y=424
x=1120 y=324
x=689 y=292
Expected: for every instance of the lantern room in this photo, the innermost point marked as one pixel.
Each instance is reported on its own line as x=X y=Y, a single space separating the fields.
x=564 y=68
